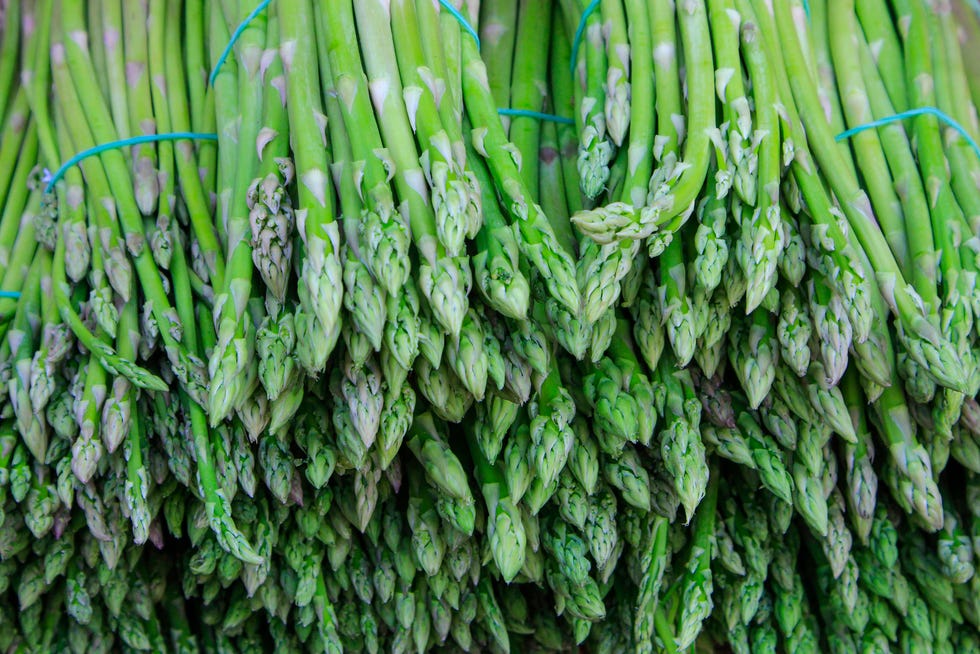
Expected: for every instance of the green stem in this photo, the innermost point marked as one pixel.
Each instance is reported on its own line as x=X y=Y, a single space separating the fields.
x=19 y=133
x=223 y=96
x=879 y=28
x=674 y=200
x=37 y=69
x=953 y=97
x=826 y=76
x=444 y=279
x=141 y=118
x=563 y=103
x=160 y=241
x=496 y=264
x=443 y=160
x=191 y=188
x=596 y=151
x=195 y=60
x=642 y=116
x=527 y=86
x=16 y=202
x=536 y=238
x=321 y=290
x=231 y=374
x=8 y=52
x=97 y=116
x=382 y=231
x=112 y=30
x=867 y=145
x=22 y=254
x=498 y=33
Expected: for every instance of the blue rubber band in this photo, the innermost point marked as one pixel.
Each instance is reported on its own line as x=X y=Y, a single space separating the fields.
x=462 y=20
x=112 y=145
x=806 y=7
x=12 y=295
x=234 y=37
x=912 y=113
x=577 y=41
x=527 y=113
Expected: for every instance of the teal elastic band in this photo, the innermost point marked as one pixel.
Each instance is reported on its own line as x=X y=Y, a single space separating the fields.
x=234 y=37
x=806 y=7
x=527 y=113
x=112 y=145
x=462 y=20
x=577 y=41
x=912 y=113
x=12 y=295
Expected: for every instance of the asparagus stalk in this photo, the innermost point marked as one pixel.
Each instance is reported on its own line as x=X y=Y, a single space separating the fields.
x=382 y=232
x=676 y=183
x=496 y=264
x=115 y=267
x=617 y=103
x=505 y=527
x=365 y=299
x=113 y=31
x=21 y=137
x=196 y=73
x=8 y=54
x=136 y=22
x=183 y=110
x=535 y=237
x=740 y=150
x=444 y=279
x=231 y=363
x=762 y=233
x=595 y=152
x=443 y=160
x=498 y=34
x=15 y=203
x=878 y=28
x=97 y=115
x=923 y=341
x=441 y=44
x=320 y=286
x=528 y=88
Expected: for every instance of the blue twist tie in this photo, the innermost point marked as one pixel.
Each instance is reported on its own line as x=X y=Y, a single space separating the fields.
x=454 y=12
x=12 y=295
x=112 y=145
x=577 y=41
x=234 y=37
x=527 y=113
x=912 y=113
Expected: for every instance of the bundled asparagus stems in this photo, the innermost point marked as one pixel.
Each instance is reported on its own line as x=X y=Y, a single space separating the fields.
x=652 y=360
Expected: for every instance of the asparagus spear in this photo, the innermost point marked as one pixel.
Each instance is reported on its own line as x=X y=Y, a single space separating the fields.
x=443 y=160
x=498 y=33
x=8 y=55
x=922 y=340
x=320 y=287
x=496 y=265
x=535 y=238
x=505 y=526
x=676 y=183
x=146 y=188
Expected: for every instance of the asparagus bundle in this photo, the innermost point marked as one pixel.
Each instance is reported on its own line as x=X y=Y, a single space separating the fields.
x=365 y=364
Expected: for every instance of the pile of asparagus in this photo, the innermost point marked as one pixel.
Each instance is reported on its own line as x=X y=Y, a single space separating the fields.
x=375 y=358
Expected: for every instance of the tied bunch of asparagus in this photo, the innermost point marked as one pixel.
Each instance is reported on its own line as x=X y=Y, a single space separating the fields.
x=366 y=364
